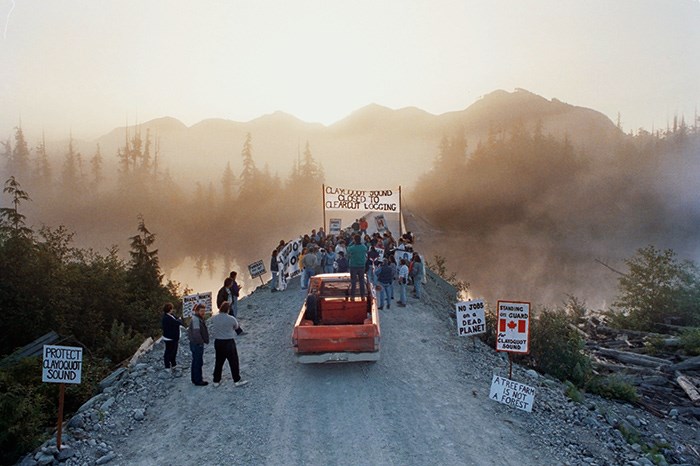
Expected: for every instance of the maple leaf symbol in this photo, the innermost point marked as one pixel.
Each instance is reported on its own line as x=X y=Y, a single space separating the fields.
x=512 y=324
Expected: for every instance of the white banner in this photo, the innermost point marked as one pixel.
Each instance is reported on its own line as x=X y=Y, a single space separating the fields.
x=288 y=260
x=384 y=200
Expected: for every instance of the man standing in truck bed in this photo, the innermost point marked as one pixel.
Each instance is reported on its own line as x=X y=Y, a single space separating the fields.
x=357 y=257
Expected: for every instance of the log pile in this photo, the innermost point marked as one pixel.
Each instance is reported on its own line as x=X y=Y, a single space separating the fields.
x=667 y=380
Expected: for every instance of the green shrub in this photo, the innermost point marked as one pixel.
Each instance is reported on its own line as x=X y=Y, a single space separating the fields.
x=573 y=393
x=121 y=342
x=612 y=387
x=557 y=349
x=657 y=289
x=690 y=341
x=26 y=409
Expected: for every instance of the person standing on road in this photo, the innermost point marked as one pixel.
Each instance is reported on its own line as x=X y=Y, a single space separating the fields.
x=385 y=277
x=357 y=258
x=225 y=295
x=341 y=263
x=171 y=337
x=235 y=291
x=199 y=336
x=275 y=270
x=403 y=282
x=223 y=328
x=417 y=274
x=309 y=264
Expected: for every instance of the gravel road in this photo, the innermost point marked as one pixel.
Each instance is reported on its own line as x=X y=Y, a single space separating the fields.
x=414 y=406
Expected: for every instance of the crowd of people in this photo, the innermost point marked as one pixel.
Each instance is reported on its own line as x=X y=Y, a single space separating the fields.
x=385 y=260
x=352 y=250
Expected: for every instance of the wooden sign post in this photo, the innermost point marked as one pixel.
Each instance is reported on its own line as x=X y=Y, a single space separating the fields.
x=62 y=365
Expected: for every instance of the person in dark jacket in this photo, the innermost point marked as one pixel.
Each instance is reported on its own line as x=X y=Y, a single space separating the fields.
x=171 y=337
x=341 y=263
x=274 y=270
x=385 y=277
x=199 y=336
x=226 y=295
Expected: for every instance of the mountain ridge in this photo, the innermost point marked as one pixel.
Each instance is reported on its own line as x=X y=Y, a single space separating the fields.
x=385 y=140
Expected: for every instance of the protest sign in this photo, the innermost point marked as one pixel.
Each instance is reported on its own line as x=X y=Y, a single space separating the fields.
x=288 y=259
x=513 y=327
x=387 y=200
x=511 y=393
x=334 y=226
x=190 y=300
x=471 y=317
x=257 y=269
x=62 y=364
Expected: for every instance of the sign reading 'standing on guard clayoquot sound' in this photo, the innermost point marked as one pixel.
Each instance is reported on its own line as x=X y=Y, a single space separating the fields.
x=513 y=327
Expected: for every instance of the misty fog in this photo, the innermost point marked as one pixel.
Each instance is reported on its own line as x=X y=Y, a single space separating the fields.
x=516 y=211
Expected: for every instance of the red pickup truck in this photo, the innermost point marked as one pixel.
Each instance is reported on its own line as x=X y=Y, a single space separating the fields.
x=332 y=327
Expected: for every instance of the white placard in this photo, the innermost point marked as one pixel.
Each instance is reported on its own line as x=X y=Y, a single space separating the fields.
x=471 y=317
x=256 y=269
x=512 y=393
x=513 y=327
x=62 y=364
x=334 y=226
x=190 y=300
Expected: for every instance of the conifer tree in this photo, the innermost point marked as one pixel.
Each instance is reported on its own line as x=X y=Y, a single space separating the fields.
x=43 y=165
x=96 y=169
x=70 y=175
x=19 y=164
x=249 y=174
x=228 y=180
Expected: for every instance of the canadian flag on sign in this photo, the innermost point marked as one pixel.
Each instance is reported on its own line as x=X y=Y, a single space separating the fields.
x=511 y=325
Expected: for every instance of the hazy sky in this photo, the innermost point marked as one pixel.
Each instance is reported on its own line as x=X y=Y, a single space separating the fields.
x=88 y=66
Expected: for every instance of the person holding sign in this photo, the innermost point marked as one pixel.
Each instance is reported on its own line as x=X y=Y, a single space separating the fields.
x=171 y=337
x=199 y=336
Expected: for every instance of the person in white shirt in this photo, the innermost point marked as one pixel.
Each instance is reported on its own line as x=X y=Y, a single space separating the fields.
x=403 y=282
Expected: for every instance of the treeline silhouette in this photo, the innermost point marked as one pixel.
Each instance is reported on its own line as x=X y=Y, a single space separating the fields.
x=207 y=221
x=527 y=214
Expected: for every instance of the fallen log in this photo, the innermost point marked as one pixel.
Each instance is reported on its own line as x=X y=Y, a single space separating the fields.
x=628 y=369
x=604 y=329
x=688 y=387
x=633 y=358
x=690 y=364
